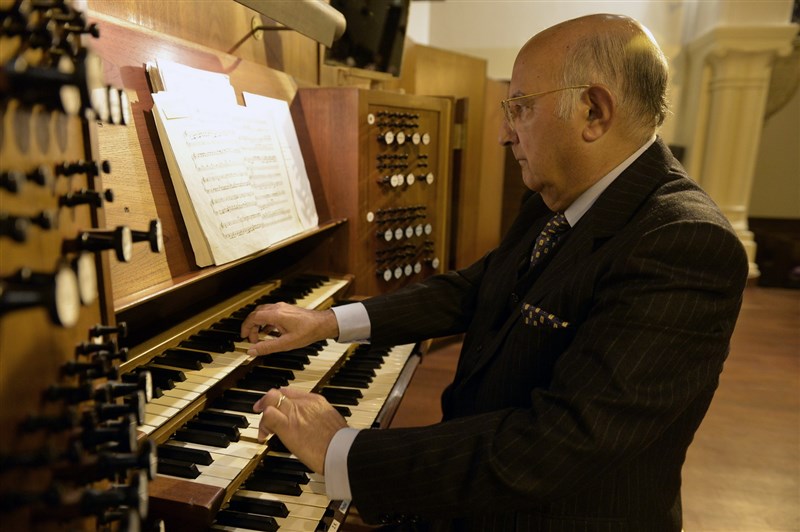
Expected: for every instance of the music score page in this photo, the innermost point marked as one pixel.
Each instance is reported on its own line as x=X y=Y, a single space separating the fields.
x=233 y=169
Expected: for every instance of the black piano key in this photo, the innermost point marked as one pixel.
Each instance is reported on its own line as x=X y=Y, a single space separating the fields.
x=300 y=356
x=228 y=324
x=165 y=374
x=286 y=462
x=214 y=439
x=285 y=363
x=177 y=362
x=275 y=444
x=263 y=385
x=278 y=473
x=247 y=520
x=341 y=396
x=267 y=372
x=218 y=335
x=189 y=354
x=351 y=369
x=353 y=382
x=224 y=403
x=207 y=344
x=160 y=381
x=300 y=352
x=343 y=410
x=185 y=454
x=234 y=419
x=176 y=468
x=243 y=312
x=231 y=431
x=242 y=395
x=268 y=485
x=258 y=506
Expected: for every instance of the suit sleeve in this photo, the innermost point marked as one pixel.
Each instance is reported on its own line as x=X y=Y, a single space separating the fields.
x=648 y=350
x=441 y=305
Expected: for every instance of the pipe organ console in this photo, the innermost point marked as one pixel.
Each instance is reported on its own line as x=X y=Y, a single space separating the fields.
x=70 y=456
x=125 y=391
x=386 y=168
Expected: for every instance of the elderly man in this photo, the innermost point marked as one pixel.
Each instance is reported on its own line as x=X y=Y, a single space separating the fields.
x=595 y=332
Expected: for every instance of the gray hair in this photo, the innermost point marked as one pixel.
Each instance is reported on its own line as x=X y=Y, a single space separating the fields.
x=630 y=64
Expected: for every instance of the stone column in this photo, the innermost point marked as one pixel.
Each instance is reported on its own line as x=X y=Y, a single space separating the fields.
x=729 y=71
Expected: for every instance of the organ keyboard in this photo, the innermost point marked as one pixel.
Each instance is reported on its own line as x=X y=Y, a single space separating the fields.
x=84 y=398
x=212 y=469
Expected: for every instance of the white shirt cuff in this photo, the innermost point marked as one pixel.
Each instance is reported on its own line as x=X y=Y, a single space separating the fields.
x=337 y=482
x=353 y=323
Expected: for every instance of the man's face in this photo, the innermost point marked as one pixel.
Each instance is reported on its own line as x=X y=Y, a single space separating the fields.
x=544 y=144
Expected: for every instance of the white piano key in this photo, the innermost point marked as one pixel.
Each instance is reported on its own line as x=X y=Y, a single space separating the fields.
x=204 y=479
x=160 y=410
x=314 y=487
x=296 y=524
x=154 y=420
x=229 y=461
x=249 y=434
x=191 y=386
x=170 y=401
x=193 y=376
x=178 y=393
x=239 y=449
x=219 y=471
x=319 y=295
x=306 y=498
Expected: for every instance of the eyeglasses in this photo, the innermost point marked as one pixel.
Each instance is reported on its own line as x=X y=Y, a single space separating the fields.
x=511 y=109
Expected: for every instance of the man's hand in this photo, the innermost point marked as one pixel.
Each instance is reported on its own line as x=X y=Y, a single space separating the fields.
x=295 y=327
x=305 y=423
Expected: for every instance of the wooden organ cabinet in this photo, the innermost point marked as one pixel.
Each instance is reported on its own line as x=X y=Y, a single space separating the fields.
x=384 y=165
x=125 y=391
x=69 y=452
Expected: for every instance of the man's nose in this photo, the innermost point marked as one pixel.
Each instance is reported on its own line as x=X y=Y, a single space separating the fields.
x=506 y=136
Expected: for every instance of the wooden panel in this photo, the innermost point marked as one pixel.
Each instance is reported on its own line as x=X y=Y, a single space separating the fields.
x=342 y=129
x=493 y=157
x=220 y=25
x=35 y=347
x=432 y=71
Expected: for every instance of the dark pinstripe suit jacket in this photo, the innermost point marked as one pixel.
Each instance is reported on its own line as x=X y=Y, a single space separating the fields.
x=580 y=428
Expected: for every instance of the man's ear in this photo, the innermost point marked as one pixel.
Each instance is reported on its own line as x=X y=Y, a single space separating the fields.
x=601 y=108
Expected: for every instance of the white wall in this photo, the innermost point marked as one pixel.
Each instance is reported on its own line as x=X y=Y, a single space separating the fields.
x=496 y=29
x=776 y=184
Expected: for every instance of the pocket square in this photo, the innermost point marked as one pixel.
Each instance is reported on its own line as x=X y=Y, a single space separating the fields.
x=541 y=318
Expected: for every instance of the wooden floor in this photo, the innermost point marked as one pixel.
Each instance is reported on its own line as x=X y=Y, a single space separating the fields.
x=742 y=472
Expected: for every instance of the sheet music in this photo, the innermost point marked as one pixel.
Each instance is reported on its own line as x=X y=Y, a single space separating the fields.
x=268 y=173
x=277 y=113
x=238 y=172
x=195 y=84
x=211 y=179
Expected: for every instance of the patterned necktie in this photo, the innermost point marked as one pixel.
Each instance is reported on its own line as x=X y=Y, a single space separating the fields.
x=554 y=229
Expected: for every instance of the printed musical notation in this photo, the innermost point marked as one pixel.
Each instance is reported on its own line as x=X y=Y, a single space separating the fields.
x=234 y=169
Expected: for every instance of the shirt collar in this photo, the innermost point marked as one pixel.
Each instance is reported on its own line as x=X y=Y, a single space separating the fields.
x=582 y=204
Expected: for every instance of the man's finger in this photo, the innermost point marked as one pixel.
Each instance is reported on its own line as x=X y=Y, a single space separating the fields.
x=272 y=344
x=255 y=320
x=270 y=398
x=272 y=421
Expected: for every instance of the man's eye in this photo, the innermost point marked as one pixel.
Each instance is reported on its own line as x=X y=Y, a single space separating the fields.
x=516 y=109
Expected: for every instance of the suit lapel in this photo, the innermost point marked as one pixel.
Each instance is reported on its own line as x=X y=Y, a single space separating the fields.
x=610 y=213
